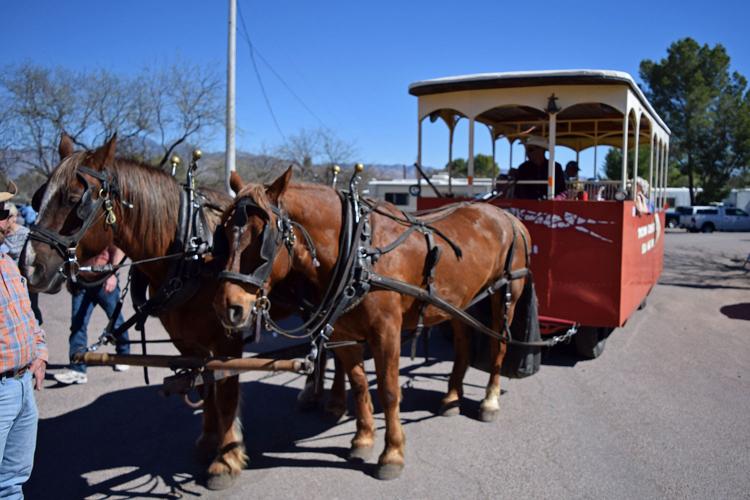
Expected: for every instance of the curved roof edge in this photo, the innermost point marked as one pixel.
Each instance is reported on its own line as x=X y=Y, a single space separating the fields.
x=484 y=81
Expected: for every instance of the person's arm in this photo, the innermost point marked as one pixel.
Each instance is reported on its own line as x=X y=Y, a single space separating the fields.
x=39 y=365
x=115 y=257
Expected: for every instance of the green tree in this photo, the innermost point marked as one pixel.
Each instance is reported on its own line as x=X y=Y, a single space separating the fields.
x=483 y=167
x=707 y=109
x=613 y=166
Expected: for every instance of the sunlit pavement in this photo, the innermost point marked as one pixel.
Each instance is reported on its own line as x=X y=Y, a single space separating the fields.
x=661 y=414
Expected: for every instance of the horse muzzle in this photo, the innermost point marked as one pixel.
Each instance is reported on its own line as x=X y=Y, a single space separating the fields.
x=234 y=307
x=41 y=277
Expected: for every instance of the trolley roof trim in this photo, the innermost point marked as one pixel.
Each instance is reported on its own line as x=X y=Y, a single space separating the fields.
x=441 y=89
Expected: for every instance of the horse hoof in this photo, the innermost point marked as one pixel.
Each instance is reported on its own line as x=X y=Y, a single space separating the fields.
x=360 y=453
x=336 y=411
x=486 y=415
x=450 y=409
x=386 y=472
x=216 y=482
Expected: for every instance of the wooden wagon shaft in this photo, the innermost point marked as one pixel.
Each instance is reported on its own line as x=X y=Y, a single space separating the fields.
x=177 y=362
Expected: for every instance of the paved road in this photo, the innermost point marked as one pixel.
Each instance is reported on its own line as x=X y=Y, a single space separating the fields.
x=663 y=413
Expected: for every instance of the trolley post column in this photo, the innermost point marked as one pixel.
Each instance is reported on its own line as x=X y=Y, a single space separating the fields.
x=636 y=134
x=623 y=186
x=470 y=180
x=552 y=110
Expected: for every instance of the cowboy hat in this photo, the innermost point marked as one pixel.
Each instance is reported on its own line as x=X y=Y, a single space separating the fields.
x=535 y=140
x=12 y=190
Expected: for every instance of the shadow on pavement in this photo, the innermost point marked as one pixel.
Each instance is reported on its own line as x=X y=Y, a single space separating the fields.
x=737 y=311
x=142 y=442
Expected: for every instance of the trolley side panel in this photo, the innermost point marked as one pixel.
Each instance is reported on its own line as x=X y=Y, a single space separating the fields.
x=643 y=257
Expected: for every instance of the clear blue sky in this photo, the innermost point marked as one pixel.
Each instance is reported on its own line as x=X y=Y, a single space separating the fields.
x=351 y=62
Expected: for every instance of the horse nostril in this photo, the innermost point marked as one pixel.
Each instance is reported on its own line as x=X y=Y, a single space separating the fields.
x=235 y=314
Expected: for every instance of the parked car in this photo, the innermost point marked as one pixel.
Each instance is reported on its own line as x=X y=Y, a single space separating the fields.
x=673 y=216
x=715 y=218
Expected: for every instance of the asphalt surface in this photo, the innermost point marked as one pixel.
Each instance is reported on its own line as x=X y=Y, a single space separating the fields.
x=663 y=413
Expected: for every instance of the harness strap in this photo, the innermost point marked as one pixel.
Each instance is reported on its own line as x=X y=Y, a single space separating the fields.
x=385 y=283
x=431 y=260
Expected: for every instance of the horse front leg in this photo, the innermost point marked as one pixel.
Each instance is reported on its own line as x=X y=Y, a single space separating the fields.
x=490 y=406
x=364 y=439
x=386 y=350
x=336 y=404
x=451 y=403
x=208 y=441
x=231 y=457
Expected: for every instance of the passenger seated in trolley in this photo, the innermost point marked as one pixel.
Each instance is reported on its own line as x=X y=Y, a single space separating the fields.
x=571 y=170
x=642 y=204
x=535 y=169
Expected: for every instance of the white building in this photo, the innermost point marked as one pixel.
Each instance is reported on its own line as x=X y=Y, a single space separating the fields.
x=403 y=192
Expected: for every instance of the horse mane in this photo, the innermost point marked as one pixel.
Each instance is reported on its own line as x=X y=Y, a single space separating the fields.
x=257 y=192
x=155 y=197
x=153 y=193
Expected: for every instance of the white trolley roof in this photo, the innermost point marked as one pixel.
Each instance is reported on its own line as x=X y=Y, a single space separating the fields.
x=593 y=105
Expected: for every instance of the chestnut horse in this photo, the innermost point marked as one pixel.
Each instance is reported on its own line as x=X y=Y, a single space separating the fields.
x=145 y=202
x=485 y=234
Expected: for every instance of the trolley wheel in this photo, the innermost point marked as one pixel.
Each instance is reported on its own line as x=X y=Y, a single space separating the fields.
x=589 y=341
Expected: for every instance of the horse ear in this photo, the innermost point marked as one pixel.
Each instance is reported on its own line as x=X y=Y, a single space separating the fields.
x=275 y=190
x=236 y=182
x=105 y=155
x=66 y=146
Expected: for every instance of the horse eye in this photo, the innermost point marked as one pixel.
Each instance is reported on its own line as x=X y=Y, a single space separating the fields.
x=73 y=199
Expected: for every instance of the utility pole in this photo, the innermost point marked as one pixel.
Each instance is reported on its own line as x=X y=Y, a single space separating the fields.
x=231 y=118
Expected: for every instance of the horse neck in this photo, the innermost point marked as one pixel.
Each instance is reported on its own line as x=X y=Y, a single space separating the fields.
x=148 y=228
x=318 y=209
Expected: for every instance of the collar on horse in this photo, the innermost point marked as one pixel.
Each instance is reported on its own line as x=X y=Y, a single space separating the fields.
x=87 y=211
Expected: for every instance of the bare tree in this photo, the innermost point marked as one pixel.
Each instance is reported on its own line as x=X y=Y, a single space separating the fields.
x=153 y=112
x=191 y=104
x=313 y=151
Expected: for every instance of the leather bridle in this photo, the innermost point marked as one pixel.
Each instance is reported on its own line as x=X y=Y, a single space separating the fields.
x=87 y=210
x=273 y=236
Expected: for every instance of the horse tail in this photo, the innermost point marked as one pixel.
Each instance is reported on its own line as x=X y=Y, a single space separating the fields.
x=522 y=361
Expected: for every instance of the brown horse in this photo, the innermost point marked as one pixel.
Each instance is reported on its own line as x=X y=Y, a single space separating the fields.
x=485 y=234
x=145 y=202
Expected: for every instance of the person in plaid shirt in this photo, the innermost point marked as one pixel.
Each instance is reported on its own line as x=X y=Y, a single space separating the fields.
x=23 y=356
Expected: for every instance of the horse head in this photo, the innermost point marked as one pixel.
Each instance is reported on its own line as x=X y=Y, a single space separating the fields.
x=74 y=216
x=254 y=232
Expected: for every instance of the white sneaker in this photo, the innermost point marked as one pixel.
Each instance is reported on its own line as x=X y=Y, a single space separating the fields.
x=121 y=368
x=71 y=377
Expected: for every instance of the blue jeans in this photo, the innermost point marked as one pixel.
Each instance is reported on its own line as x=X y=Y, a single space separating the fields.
x=84 y=300
x=18 y=421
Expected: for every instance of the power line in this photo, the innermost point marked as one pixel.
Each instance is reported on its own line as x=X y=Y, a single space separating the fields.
x=257 y=73
x=254 y=50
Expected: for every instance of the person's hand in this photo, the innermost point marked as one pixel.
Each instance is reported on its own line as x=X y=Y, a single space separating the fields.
x=110 y=284
x=38 y=367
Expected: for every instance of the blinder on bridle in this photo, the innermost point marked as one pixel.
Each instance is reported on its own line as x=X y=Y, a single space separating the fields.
x=86 y=210
x=272 y=237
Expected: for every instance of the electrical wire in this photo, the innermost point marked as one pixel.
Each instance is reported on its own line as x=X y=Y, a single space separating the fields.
x=253 y=52
x=257 y=74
